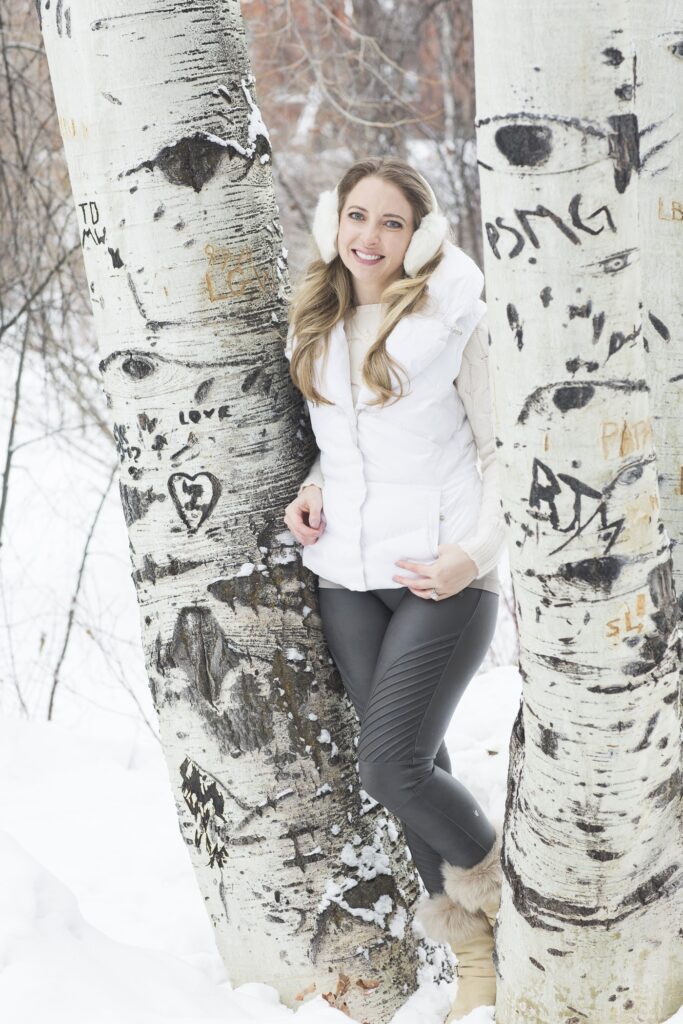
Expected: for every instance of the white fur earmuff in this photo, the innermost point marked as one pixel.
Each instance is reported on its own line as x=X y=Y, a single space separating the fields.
x=326 y=224
x=424 y=244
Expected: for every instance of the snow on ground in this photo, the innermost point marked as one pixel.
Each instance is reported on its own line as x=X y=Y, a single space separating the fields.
x=101 y=919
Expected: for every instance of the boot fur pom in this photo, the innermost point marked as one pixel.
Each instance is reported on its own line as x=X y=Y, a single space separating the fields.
x=473 y=887
x=446 y=921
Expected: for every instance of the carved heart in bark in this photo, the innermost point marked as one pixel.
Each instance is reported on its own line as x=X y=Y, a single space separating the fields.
x=194 y=497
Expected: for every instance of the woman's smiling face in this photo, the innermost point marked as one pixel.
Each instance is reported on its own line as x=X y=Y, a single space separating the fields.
x=375 y=228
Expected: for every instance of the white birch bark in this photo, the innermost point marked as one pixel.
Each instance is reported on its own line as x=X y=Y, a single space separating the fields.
x=658 y=30
x=589 y=926
x=304 y=877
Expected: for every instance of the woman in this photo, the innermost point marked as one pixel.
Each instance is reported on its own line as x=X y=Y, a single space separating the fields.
x=388 y=344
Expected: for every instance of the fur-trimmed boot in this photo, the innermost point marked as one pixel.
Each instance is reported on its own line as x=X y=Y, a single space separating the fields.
x=470 y=937
x=477 y=888
x=464 y=916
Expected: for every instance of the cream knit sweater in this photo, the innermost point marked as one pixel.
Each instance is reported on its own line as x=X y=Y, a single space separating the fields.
x=485 y=544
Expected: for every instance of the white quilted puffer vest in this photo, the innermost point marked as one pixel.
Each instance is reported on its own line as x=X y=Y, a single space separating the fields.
x=401 y=479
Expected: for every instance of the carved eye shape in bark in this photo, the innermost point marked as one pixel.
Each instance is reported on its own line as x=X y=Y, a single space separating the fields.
x=615 y=262
x=194 y=497
x=551 y=144
x=537 y=144
x=191 y=161
x=130 y=374
x=525 y=145
x=137 y=367
x=573 y=396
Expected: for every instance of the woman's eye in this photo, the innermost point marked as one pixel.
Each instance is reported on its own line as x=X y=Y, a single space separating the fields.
x=390 y=223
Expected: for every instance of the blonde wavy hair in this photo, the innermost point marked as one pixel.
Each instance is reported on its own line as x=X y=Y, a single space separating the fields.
x=325 y=293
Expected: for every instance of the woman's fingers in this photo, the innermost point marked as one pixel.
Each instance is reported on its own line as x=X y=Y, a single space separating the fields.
x=302 y=530
x=412 y=582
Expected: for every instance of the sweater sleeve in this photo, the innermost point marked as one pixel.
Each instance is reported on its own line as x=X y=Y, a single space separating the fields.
x=314 y=475
x=486 y=543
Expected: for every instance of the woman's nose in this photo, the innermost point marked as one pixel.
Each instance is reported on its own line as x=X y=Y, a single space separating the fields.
x=371 y=235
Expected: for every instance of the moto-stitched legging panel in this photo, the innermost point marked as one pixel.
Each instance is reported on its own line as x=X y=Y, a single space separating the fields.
x=405 y=662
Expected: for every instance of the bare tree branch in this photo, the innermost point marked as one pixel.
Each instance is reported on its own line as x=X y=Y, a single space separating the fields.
x=74 y=599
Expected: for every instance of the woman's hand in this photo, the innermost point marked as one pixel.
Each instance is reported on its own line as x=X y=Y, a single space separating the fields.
x=449 y=574
x=304 y=516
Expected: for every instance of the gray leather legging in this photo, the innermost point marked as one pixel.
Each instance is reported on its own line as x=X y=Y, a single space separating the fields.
x=405 y=662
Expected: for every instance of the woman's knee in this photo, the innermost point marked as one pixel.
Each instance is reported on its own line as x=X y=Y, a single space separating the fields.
x=391 y=782
x=377 y=780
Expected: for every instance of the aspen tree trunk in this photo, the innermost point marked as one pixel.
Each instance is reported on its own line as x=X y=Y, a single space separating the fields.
x=590 y=921
x=658 y=98
x=307 y=885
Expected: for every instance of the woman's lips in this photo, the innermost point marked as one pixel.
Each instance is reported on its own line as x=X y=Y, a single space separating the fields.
x=367 y=262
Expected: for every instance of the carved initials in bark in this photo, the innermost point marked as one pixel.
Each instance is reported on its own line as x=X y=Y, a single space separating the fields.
x=194 y=497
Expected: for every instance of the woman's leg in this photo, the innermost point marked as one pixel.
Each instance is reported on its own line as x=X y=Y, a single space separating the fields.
x=429 y=653
x=354 y=624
